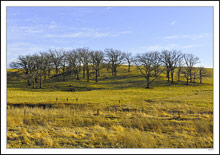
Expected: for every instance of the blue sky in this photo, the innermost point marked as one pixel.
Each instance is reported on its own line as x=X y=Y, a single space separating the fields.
x=132 y=29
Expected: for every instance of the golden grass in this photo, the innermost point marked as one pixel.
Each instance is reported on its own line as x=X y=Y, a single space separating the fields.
x=165 y=116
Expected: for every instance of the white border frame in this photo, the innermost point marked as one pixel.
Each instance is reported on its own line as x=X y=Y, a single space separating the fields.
x=214 y=4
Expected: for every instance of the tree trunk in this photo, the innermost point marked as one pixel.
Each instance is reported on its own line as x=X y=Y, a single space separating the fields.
x=190 y=75
x=172 y=73
x=84 y=71
x=87 y=74
x=29 y=83
x=155 y=72
x=40 y=81
x=168 y=75
x=63 y=74
x=115 y=70
x=179 y=71
x=36 y=80
x=45 y=75
x=96 y=75
x=48 y=73
x=33 y=83
x=194 y=78
x=77 y=75
x=187 y=81
x=148 y=81
x=129 y=65
x=200 y=77
x=56 y=70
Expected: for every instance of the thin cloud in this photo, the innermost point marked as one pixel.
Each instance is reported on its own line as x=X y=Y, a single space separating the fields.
x=173 y=22
x=25 y=29
x=90 y=34
x=159 y=47
x=189 y=36
x=169 y=47
x=191 y=46
x=52 y=25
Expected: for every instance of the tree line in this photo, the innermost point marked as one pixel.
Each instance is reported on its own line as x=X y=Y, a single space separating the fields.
x=38 y=67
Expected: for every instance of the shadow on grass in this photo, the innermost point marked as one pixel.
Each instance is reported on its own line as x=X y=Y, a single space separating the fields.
x=15 y=80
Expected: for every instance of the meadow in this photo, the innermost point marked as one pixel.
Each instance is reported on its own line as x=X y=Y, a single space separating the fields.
x=116 y=112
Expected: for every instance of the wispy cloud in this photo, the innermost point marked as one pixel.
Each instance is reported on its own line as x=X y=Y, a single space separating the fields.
x=169 y=47
x=52 y=25
x=160 y=47
x=108 y=8
x=88 y=34
x=173 y=22
x=189 y=36
x=26 y=29
x=191 y=46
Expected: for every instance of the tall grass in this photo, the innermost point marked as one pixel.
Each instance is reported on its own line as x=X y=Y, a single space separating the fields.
x=117 y=112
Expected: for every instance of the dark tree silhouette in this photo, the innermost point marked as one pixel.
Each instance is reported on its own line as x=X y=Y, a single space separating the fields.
x=97 y=58
x=145 y=64
x=114 y=58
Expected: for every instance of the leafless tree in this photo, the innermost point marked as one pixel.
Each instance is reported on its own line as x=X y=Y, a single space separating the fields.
x=170 y=60
x=114 y=58
x=203 y=72
x=84 y=58
x=46 y=64
x=190 y=61
x=74 y=63
x=40 y=66
x=180 y=66
x=22 y=63
x=165 y=59
x=33 y=69
x=157 y=62
x=97 y=58
x=63 y=63
x=145 y=64
x=129 y=58
x=56 y=58
x=84 y=54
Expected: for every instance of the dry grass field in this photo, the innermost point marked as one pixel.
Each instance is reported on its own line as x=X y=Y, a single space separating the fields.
x=116 y=112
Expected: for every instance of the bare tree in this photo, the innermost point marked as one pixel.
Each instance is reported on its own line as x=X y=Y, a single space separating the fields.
x=46 y=64
x=84 y=54
x=186 y=74
x=56 y=58
x=74 y=62
x=97 y=58
x=63 y=63
x=165 y=59
x=40 y=66
x=115 y=58
x=145 y=64
x=175 y=56
x=157 y=62
x=128 y=57
x=33 y=70
x=170 y=60
x=22 y=64
x=203 y=73
x=180 y=66
x=190 y=62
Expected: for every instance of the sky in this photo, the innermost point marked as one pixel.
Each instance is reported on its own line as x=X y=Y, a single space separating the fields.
x=130 y=29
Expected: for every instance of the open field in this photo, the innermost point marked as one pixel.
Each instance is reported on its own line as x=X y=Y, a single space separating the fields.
x=116 y=112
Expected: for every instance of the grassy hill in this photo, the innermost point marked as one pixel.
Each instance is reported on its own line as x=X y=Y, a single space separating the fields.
x=116 y=112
